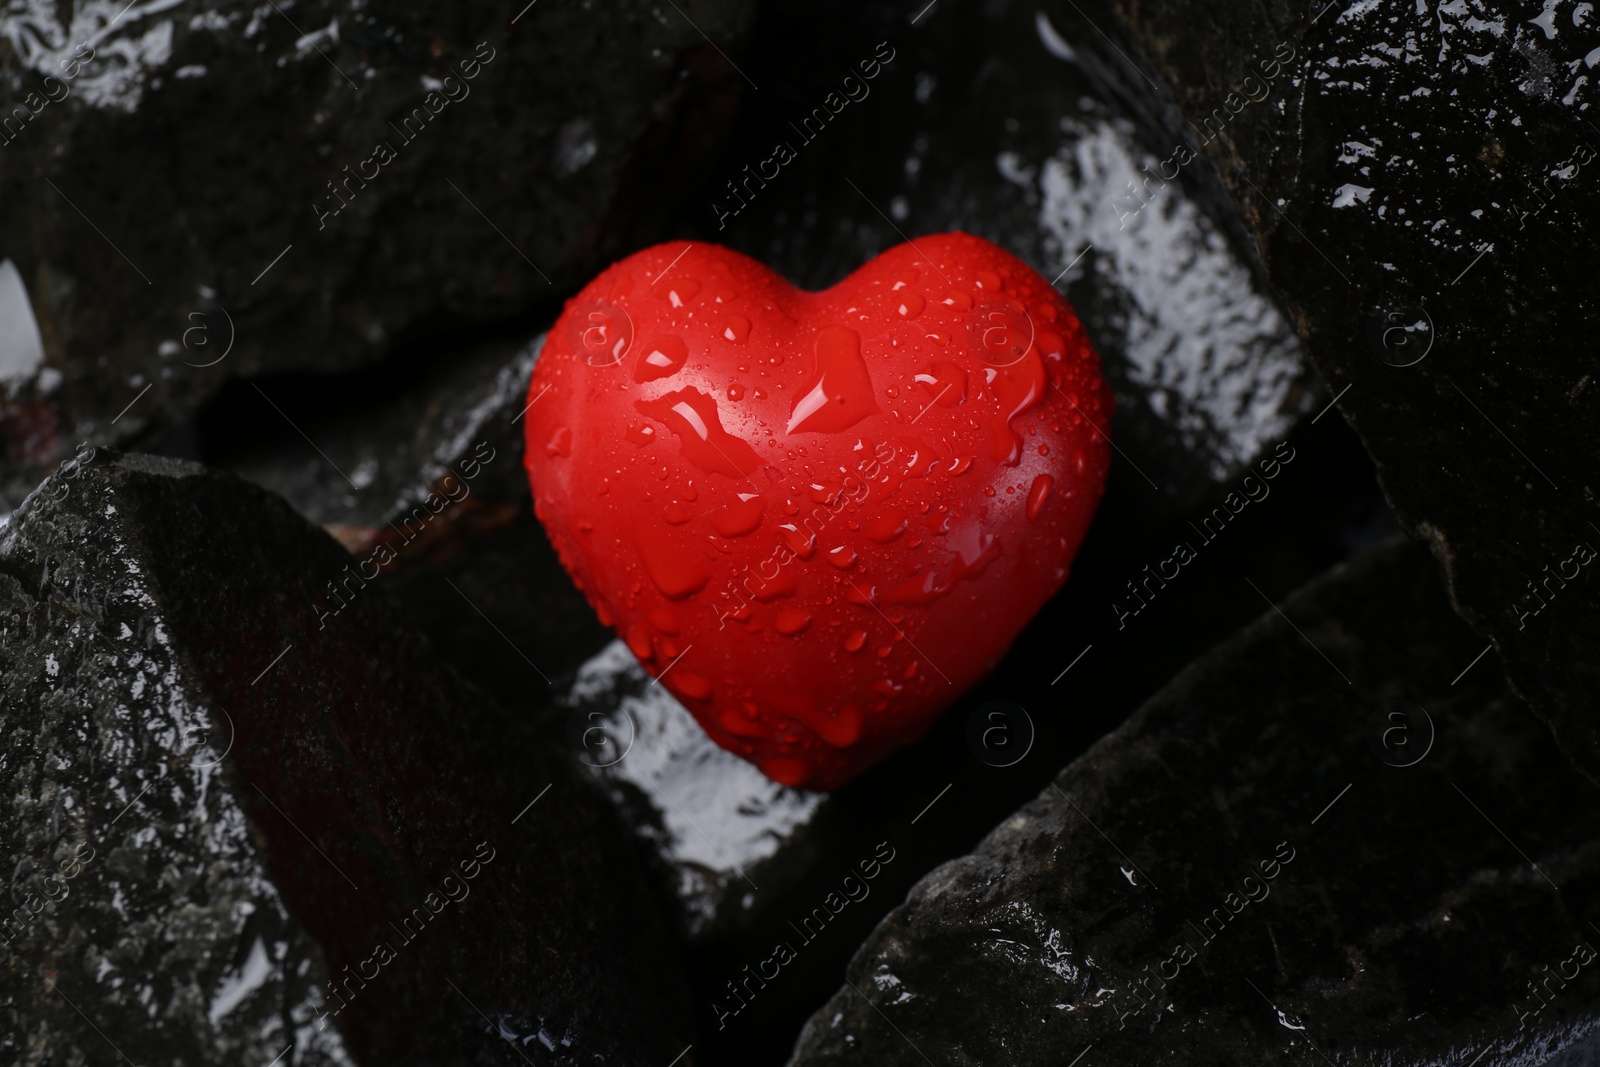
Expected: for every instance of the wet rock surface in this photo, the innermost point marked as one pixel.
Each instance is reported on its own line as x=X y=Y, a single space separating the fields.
x=719 y=824
x=198 y=191
x=241 y=824
x=1420 y=181
x=1020 y=127
x=1311 y=844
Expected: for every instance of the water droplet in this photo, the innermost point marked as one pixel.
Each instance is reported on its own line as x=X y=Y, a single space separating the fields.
x=641 y=435
x=791 y=621
x=959 y=300
x=886 y=527
x=911 y=305
x=975 y=550
x=800 y=539
x=639 y=641
x=735 y=391
x=679 y=291
x=664 y=619
x=945 y=382
x=785 y=770
x=691 y=685
x=740 y=725
x=601 y=333
x=840 y=394
x=865 y=595
x=674 y=568
x=740 y=517
x=825 y=492
x=560 y=443
x=856 y=641
x=695 y=418
x=660 y=357
x=676 y=514
x=988 y=281
x=924 y=587
x=736 y=329
x=841 y=557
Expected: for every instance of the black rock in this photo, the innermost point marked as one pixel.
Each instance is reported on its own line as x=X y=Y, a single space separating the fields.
x=1420 y=180
x=236 y=802
x=1310 y=845
x=986 y=119
x=193 y=193
x=721 y=828
x=360 y=453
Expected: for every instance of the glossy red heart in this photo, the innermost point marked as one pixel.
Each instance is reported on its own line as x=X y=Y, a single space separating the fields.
x=818 y=518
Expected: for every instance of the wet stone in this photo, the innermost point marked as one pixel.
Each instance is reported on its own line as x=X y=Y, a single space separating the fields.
x=242 y=827
x=1311 y=842
x=1421 y=183
x=425 y=451
x=203 y=191
x=1013 y=125
x=721 y=827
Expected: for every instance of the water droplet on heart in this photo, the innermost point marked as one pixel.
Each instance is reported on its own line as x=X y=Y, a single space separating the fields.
x=736 y=329
x=659 y=358
x=886 y=526
x=961 y=301
x=691 y=685
x=678 y=291
x=910 y=305
x=840 y=394
x=641 y=435
x=975 y=550
x=740 y=517
x=841 y=557
x=791 y=621
x=601 y=332
x=785 y=770
x=865 y=595
x=676 y=514
x=639 y=641
x=694 y=417
x=840 y=730
x=960 y=465
x=885 y=651
x=988 y=281
x=924 y=587
x=945 y=383
x=741 y=722
x=891 y=391
x=674 y=568
x=560 y=443
x=800 y=539
x=735 y=391
x=1077 y=461
x=825 y=492
x=856 y=641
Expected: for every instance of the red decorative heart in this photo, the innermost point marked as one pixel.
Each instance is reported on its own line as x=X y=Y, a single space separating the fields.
x=818 y=517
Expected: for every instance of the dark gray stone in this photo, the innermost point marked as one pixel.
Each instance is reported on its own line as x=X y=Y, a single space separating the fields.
x=719 y=826
x=195 y=143
x=1349 y=885
x=1421 y=182
x=999 y=120
x=222 y=793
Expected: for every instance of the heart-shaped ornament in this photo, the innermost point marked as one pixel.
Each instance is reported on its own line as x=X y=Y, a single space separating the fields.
x=818 y=518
